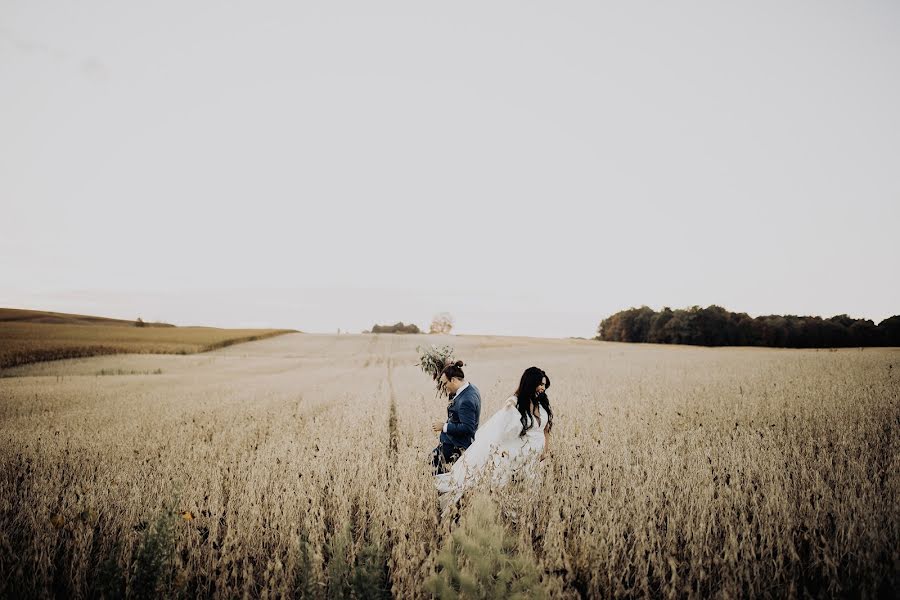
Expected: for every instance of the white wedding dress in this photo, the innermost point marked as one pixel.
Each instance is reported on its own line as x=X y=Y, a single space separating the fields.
x=497 y=443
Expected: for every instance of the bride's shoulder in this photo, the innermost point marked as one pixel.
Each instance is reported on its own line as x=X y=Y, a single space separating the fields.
x=510 y=402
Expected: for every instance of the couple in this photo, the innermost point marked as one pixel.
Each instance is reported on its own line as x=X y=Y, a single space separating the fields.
x=512 y=441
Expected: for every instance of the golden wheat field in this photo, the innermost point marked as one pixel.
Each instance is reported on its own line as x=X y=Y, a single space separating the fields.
x=28 y=342
x=297 y=466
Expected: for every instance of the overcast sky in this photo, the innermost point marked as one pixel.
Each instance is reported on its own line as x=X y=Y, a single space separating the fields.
x=528 y=167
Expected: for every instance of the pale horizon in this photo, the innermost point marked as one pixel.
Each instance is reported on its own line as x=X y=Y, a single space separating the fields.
x=530 y=169
x=333 y=311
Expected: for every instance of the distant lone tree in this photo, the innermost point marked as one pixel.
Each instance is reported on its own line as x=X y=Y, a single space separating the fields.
x=441 y=323
x=140 y=323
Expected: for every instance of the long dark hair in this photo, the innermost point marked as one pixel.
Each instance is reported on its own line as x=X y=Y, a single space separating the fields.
x=526 y=395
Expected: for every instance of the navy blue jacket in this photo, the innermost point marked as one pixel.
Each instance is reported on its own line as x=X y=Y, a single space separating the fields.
x=463 y=415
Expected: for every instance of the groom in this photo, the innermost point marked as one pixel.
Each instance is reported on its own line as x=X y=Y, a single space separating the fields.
x=463 y=414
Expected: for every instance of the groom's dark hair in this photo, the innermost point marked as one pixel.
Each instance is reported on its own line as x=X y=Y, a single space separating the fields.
x=455 y=370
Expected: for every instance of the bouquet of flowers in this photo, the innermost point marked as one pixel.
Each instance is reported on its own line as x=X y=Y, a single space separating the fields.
x=432 y=360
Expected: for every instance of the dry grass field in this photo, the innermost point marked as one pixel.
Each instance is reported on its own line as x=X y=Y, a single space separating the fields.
x=33 y=336
x=297 y=466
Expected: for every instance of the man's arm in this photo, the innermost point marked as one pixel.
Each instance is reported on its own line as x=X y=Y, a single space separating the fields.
x=468 y=420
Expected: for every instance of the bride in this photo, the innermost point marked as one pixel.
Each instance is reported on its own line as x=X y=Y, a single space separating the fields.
x=513 y=441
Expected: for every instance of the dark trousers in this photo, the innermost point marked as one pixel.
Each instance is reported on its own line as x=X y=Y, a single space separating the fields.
x=444 y=456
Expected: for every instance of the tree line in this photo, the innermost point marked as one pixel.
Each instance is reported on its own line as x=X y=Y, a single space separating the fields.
x=715 y=326
x=440 y=323
x=399 y=327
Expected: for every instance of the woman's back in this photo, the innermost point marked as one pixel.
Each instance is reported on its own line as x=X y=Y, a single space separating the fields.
x=533 y=439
